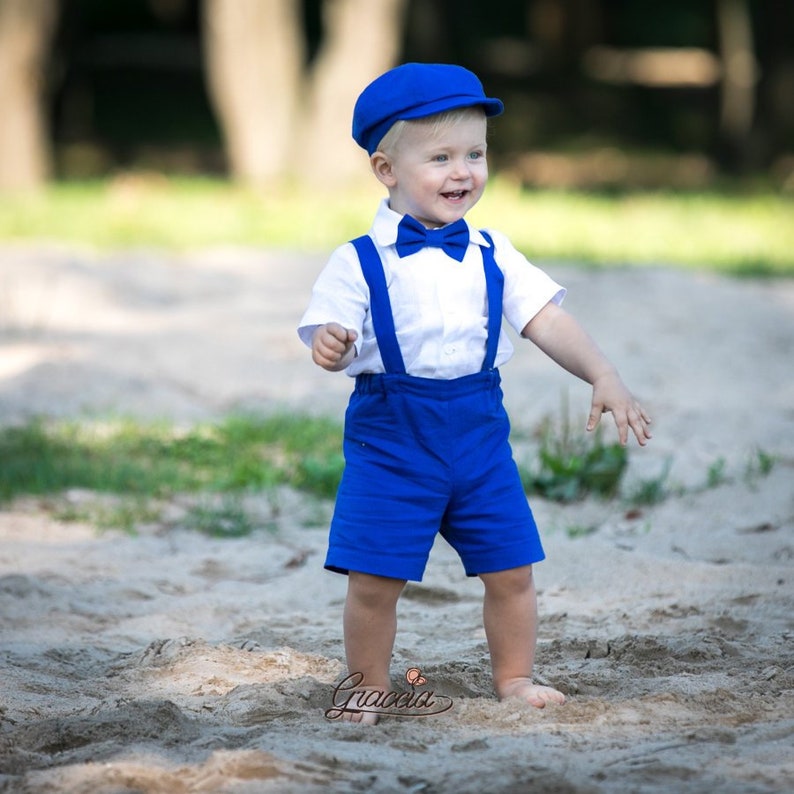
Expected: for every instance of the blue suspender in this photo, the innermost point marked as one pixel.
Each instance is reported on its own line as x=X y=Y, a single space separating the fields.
x=494 y=283
x=380 y=305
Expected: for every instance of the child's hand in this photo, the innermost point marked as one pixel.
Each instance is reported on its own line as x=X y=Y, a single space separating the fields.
x=332 y=346
x=609 y=394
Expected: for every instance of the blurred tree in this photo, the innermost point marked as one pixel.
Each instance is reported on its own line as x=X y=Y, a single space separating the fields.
x=264 y=88
x=739 y=78
x=344 y=64
x=26 y=28
x=254 y=54
x=278 y=118
x=774 y=27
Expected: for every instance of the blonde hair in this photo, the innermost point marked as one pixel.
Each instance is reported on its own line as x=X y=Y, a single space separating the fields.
x=437 y=123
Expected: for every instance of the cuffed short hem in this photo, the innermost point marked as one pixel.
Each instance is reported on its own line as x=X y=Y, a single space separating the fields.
x=388 y=568
x=504 y=559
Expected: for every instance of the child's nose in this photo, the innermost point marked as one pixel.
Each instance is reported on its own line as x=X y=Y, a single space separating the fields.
x=461 y=169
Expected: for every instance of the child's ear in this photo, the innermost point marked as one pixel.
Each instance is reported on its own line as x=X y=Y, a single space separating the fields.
x=382 y=168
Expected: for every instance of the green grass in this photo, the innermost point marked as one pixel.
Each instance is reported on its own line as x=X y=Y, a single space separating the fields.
x=570 y=466
x=121 y=474
x=735 y=232
x=127 y=472
x=241 y=453
x=125 y=469
x=743 y=234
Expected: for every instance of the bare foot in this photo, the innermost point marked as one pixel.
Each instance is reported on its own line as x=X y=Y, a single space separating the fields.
x=363 y=717
x=357 y=705
x=534 y=694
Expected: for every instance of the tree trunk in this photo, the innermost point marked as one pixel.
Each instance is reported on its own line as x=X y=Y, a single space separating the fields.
x=361 y=40
x=26 y=28
x=254 y=52
x=739 y=77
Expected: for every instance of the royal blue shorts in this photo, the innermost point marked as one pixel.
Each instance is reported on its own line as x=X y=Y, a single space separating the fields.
x=425 y=457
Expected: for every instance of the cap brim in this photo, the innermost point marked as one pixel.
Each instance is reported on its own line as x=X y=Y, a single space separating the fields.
x=491 y=106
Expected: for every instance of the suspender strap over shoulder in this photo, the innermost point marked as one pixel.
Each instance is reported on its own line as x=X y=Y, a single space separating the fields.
x=494 y=282
x=380 y=306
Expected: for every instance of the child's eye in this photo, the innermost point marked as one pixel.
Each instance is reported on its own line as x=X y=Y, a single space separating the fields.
x=475 y=155
x=441 y=158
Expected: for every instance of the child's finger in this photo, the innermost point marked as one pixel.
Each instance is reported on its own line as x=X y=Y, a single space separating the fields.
x=337 y=331
x=622 y=421
x=639 y=424
x=595 y=416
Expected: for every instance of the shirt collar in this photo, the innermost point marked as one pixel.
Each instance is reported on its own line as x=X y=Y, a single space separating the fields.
x=384 y=227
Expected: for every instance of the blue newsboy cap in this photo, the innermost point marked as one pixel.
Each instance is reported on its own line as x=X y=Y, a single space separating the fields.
x=413 y=91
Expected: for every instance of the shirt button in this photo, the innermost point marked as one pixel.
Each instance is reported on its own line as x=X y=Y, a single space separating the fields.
x=449 y=349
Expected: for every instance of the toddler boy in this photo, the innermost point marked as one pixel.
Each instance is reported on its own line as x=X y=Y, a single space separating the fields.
x=413 y=311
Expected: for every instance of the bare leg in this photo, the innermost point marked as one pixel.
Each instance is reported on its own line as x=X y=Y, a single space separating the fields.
x=370 y=625
x=510 y=614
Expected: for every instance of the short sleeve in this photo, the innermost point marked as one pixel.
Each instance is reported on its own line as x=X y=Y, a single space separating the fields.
x=340 y=294
x=527 y=288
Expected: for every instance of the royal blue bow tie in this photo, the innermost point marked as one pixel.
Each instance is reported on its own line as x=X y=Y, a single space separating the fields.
x=412 y=237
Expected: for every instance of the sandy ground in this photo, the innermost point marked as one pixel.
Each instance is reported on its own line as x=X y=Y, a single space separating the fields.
x=172 y=662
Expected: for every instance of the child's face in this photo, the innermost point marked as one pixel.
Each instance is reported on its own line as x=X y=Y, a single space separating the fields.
x=436 y=174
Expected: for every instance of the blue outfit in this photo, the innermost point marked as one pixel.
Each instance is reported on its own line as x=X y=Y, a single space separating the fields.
x=427 y=455
x=426 y=434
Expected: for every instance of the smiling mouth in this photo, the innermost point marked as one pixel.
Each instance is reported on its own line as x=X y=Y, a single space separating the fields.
x=455 y=194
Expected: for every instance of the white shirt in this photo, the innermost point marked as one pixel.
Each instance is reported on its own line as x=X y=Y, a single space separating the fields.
x=440 y=305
